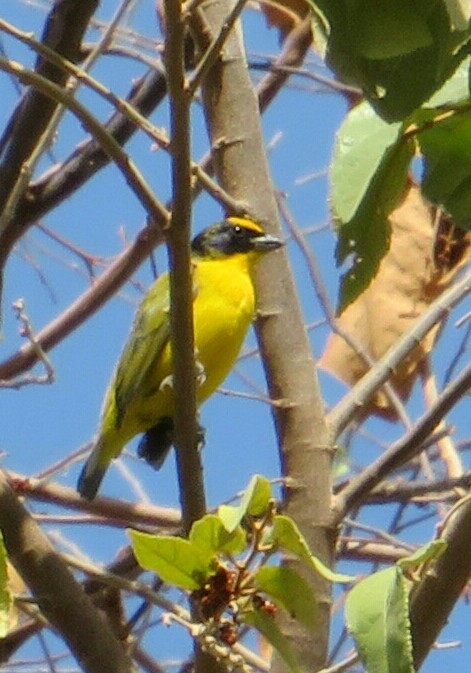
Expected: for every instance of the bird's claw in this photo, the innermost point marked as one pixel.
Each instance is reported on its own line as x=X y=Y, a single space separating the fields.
x=167 y=382
x=200 y=373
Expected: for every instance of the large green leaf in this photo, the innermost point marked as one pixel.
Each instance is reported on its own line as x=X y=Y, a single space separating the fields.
x=369 y=171
x=360 y=145
x=399 y=52
x=377 y=613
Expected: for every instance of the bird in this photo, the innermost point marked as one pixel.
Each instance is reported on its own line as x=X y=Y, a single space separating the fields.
x=139 y=398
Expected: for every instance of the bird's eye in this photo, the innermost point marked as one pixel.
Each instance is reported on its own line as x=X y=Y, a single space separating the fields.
x=238 y=230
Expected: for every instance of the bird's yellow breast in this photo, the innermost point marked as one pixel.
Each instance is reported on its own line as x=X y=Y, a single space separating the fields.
x=223 y=309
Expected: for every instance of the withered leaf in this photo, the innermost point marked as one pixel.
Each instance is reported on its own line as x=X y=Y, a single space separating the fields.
x=425 y=253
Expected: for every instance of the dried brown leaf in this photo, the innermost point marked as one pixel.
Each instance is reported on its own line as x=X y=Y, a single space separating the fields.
x=284 y=15
x=426 y=251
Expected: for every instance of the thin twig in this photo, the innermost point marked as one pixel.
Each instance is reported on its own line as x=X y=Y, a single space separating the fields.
x=213 y=51
x=82 y=77
x=27 y=332
x=404 y=449
x=132 y=175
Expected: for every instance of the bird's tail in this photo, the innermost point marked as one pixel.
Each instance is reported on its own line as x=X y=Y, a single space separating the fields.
x=156 y=442
x=92 y=473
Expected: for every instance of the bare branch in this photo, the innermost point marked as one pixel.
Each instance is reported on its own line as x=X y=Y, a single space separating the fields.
x=58 y=595
x=63 y=33
x=189 y=465
x=130 y=172
x=232 y=114
x=443 y=583
x=404 y=449
x=114 y=512
x=27 y=332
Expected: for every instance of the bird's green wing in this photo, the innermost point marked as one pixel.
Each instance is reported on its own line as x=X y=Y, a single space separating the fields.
x=149 y=335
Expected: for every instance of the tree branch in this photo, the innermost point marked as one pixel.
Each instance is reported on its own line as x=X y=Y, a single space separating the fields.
x=189 y=466
x=404 y=449
x=62 y=180
x=133 y=177
x=443 y=583
x=232 y=116
x=58 y=595
x=64 y=30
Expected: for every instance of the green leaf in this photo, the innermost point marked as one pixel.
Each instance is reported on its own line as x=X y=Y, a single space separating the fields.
x=369 y=175
x=455 y=90
x=398 y=627
x=376 y=612
x=266 y=625
x=289 y=590
x=428 y=552
x=364 y=613
x=176 y=561
x=5 y=596
x=254 y=502
x=360 y=145
x=210 y=534
x=376 y=30
x=287 y=536
x=446 y=148
x=399 y=53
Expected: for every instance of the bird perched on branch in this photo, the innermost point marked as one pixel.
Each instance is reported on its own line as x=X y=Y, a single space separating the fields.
x=139 y=398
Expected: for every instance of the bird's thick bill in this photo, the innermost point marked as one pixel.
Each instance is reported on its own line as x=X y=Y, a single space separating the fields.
x=266 y=243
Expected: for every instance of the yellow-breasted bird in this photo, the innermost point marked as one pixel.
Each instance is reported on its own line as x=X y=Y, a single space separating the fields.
x=139 y=398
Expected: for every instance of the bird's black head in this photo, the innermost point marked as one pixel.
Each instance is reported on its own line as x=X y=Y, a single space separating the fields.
x=235 y=235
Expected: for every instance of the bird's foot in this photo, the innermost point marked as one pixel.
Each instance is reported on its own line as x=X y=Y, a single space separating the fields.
x=200 y=372
x=167 y=382
x=200 y=437
x=200 y=375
